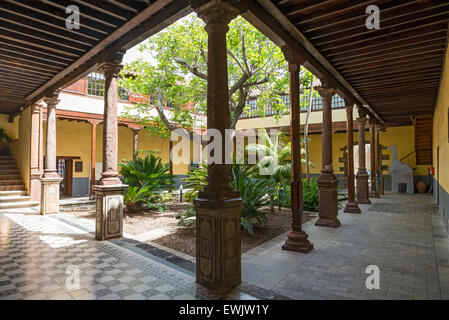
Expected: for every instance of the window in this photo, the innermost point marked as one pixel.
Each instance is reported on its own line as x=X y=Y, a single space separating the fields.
x=95 y=84
x=337 y=101
x=286 y=100
x=123 y=94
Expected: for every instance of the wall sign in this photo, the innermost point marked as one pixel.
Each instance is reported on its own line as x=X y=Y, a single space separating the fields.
x=78 y=166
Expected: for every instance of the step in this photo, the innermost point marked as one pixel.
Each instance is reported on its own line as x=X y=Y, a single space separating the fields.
x=21 y=204
x=6 y=182
x=10 y=177
x=9 y=171
x=13 y=193
x=12 y=187
x=14 y=198
x=8 y=162
x=8 y=166
x=6 y=158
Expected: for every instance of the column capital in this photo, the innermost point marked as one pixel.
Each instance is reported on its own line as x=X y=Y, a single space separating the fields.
x=36 y=107
x=361 y=121
x=52 y=99
x=217 y=13
x=362 y=111
x=293 y=58
x=325 y=92
x=112 y=64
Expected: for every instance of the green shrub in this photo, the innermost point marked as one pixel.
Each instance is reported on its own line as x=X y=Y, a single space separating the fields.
x=310 y=195
x=147 y=179
x=254 y=192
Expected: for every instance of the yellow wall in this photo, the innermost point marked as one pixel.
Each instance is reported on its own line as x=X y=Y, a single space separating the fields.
x=12 y=129
x=20 y=148
x=440 y=129
x=270 y=122
x=404 y=139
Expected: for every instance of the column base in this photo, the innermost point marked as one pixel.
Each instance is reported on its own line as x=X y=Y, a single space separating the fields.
x=362 y=187
x=352 y=207
x=374 y=194
x=297 y=241
x=218 y=253
x=50 y=195
x=328 y=222
x=109 y=211
x=328 y=200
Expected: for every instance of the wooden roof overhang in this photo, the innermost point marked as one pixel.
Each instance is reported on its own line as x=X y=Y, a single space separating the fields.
x=38 y=54
x=394 y=71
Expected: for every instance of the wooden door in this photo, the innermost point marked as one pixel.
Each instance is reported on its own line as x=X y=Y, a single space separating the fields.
x=68 y=177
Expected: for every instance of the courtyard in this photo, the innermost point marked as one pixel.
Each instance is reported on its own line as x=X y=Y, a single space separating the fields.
x=401 y=234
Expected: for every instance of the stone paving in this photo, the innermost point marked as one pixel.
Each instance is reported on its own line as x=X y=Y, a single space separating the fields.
x=401 y=234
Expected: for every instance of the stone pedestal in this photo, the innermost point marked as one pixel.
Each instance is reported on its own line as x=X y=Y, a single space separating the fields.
x=218 y=244
x=109 y=211
x=362 y=187
x=328 y=200
x=50 y=195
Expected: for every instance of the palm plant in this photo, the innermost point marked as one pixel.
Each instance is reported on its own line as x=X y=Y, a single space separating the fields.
x=253 y=189
x=147 y=179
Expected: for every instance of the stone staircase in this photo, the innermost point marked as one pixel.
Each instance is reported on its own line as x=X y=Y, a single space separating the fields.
x=12 y=190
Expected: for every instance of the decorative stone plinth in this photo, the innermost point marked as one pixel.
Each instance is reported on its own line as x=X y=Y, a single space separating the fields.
x=50 y=195
x=362 y=187
x=328 y=200
x=352 y=207
x=109 y=211
x=218 y=258
x=373 y=193
x=297 y=241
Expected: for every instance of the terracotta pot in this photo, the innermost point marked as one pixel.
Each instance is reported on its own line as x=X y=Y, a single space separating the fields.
x=421 y=186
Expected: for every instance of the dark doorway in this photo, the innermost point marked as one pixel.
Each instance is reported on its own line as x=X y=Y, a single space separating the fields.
x=65 y=171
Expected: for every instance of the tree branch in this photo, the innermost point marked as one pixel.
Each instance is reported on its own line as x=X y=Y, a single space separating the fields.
x=193 y=69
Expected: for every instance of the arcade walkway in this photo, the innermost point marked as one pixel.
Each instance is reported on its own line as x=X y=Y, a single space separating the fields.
x=402 y=235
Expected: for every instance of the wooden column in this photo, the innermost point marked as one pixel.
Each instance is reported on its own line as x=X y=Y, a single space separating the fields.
x=51 y=179
x=35 y=173
x=218 y=206
x=327 y=181
x=362 y=176
x=109 y=191
x=373 y=192
x=351 y=205
x=296 y=238
x=380 y=188
x=93 y=154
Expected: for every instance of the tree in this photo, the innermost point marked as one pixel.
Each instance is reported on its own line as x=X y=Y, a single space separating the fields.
x=178 y=74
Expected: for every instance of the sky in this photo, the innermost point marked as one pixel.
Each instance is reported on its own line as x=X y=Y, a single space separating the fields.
x=134 y=53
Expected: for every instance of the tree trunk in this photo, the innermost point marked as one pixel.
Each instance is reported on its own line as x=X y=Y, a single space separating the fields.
x=306 y=130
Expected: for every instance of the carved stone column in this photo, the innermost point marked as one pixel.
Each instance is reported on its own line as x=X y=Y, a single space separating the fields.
x=327 y=181
x=218 y=206
x=109 y=191
x=362 y=176
x=373 y=192
x=351 y=205
x=51 y=179
x=35 y=173
x=296 y=238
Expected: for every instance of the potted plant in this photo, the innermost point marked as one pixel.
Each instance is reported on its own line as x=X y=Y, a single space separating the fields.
x=4 y=140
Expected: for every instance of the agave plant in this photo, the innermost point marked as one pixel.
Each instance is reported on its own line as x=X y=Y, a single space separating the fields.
x=147 y=179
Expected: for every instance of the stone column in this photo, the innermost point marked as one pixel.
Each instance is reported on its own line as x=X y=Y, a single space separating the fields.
x=362 y=176
x=373 y=192
x=218 y=206
x=296 y=238
x=51 y=179
x=327 y=181
x=135 y=141
x=109 y=191
x=351 y=205
x=35 y=173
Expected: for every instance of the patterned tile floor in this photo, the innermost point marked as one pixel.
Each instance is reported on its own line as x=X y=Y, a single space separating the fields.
x=403 y=235
x=37 y=251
